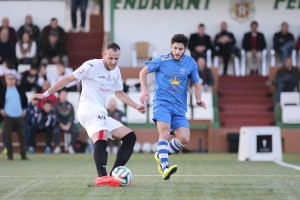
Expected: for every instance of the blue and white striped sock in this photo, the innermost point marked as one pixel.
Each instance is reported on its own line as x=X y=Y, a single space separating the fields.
x=162 y=149
x=174 y=146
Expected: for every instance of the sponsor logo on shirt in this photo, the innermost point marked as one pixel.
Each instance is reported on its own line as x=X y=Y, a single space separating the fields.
x=103 y=77
x=169 y=57
x=174 y=81
x=104 y=89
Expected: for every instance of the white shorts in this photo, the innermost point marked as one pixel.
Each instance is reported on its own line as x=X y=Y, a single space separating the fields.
x=95 y=122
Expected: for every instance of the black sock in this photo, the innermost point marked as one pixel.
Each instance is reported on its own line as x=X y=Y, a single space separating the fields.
x=100 y=157
x=125 y=150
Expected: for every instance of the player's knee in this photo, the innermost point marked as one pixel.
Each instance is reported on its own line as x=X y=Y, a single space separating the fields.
x=184 y=140
x=130 y=138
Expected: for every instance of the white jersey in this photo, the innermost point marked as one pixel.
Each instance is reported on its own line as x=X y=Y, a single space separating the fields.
x=97 y=82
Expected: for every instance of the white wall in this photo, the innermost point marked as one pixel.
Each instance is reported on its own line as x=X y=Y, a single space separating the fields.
x=41 y=11
x=158 y=26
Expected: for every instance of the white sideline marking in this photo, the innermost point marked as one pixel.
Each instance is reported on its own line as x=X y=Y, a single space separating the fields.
x=148 y=175
x=284 y=164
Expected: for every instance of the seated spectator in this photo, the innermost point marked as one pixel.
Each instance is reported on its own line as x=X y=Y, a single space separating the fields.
x=32 y=110
x=29 y=79
x=62 y=72
x=26 y=49
x=254 y=43
x=13 y=104
x=29 y=27
x=206 y=75
x=11 y=31
x=283 y=42
x=199 y=43
x=298 y=45
x=51 y=98
x=42 y=76
x=118 y=115
x=43 y=121
x=287 y=79
x=225 y=45
x=64 y=112
x=53 y=51
x=53 y=27
x=7 y=48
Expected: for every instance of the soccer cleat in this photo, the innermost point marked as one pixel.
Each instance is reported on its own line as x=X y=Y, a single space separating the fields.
x=169 y=171
x=107 y=181
x=159 y=168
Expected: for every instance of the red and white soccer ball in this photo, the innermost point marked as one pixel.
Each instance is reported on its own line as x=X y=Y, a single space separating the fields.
x=122 y=174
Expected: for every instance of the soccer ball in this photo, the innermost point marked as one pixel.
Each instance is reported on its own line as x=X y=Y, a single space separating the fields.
x=122 y=174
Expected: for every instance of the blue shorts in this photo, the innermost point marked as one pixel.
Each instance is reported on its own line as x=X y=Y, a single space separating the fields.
x=165 y=114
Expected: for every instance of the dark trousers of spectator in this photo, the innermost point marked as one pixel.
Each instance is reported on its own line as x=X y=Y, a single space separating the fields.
x=57 y=131
x=10 y=124
x=35 y=130
x=286 y=84
x=83 y=6
x=225 y=52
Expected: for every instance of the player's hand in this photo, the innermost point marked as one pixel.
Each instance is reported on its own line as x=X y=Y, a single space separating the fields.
x=144 y=97
x=37 y=97
x=142 y=108
x=201 y=104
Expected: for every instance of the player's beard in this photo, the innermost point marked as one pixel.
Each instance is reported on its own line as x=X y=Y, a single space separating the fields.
x=108 y=67
x=179 y=58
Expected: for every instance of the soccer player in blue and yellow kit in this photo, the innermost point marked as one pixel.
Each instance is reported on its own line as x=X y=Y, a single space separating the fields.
x=173 y=72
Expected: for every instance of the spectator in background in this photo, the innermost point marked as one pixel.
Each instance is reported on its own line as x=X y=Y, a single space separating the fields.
x=206 y=75
x=254 y=43
x=29 y=27
x=283 y=42
x=199 y=43
x=53 y=50
x=13 y=104
x=11 y=31
x=287 y=79
x=43 y=121
x=298 y=45
x=64 y=112
x=7 y=48
x=225 y=45
x=32 y=111
x=42 y=76
x=118 y=115
x=51 y=98
x=29 y=79
x=53 y=27
x=26 y=49
x=82 y=4
x=62 y=71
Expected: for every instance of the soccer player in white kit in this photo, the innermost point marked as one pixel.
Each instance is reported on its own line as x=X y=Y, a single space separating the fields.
x=99 y=77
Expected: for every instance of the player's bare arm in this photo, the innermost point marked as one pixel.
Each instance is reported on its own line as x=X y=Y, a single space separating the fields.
x=55 y=87
x=199 y=102
x=143 y=80
x=127 y=100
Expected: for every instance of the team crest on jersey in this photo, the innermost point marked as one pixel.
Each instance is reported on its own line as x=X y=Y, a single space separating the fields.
x=169 y=57
x=174 y=81
x=242 y=10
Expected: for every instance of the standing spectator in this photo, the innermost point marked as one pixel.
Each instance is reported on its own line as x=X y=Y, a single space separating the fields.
x=118 y=115
x=53 y=50
x=30 y=28
x=32 y=111
x=51 y=98
x=206 y=75
x=225 y=45
x=53 y=27
x=43 y=121
x=26 y=49
x=254 y=43
x=13 y=104
x=199 y=43
x=82 y=4
x=286 y=79
x=64 y=112
x=29 y=79
x=7 y=48
x=284 y=42
x=11 y=31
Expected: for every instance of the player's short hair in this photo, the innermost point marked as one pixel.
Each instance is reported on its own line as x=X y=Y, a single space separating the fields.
x=180 y=38
x=113 y=46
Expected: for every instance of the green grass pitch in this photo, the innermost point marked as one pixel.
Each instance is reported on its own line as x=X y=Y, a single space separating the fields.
x=199 y=176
